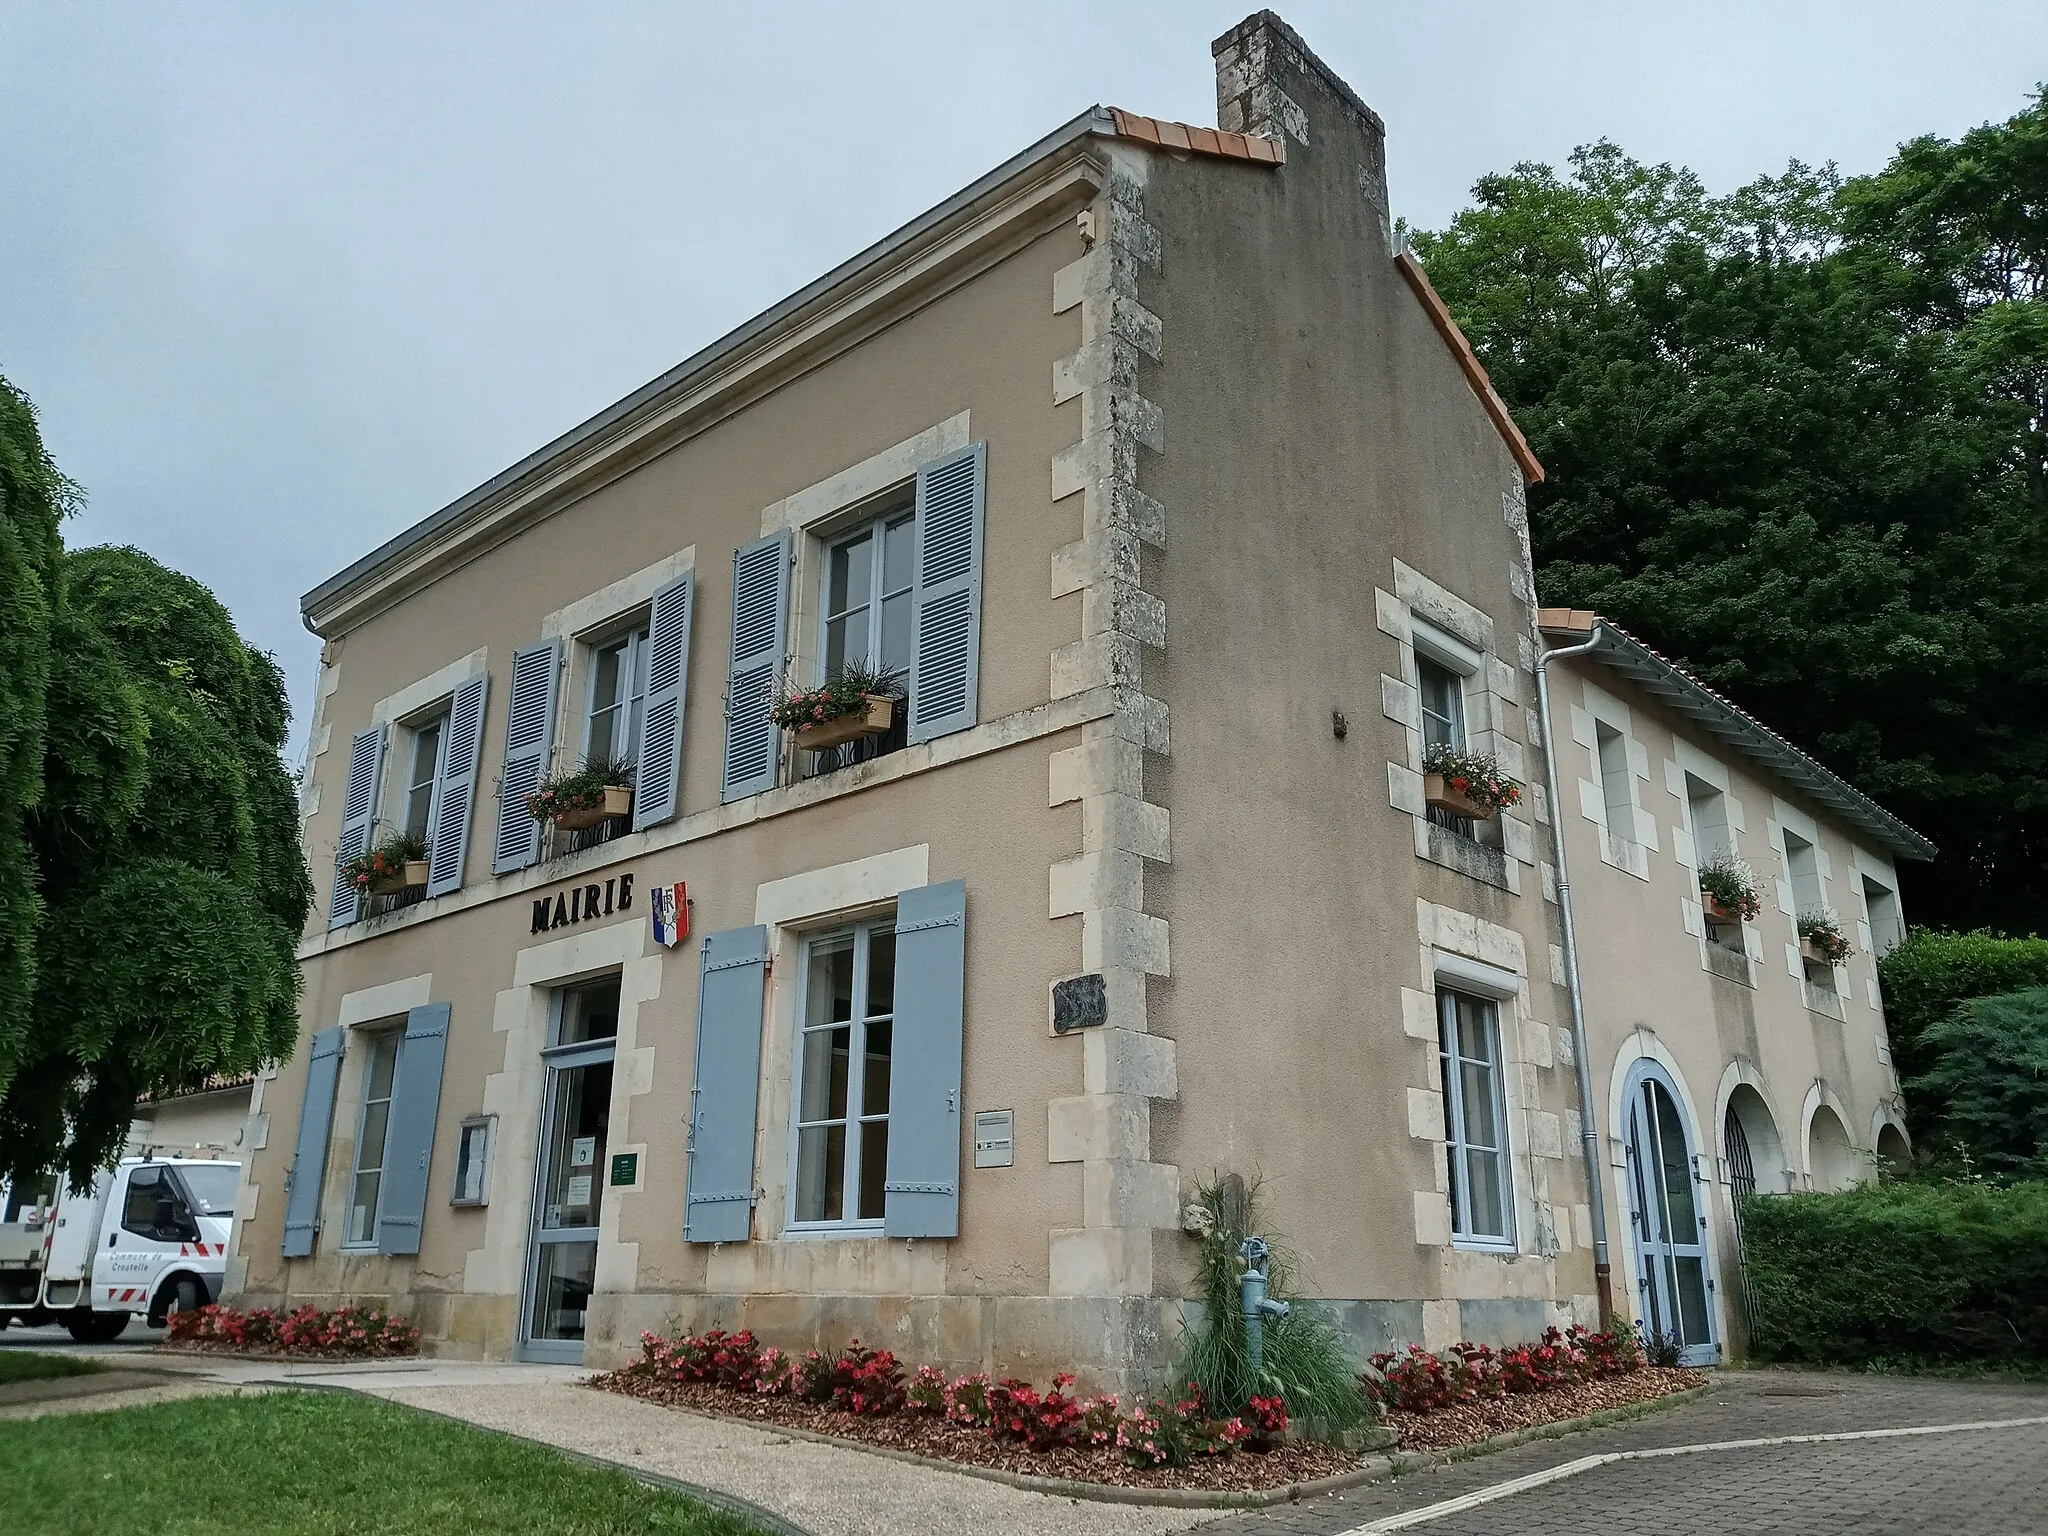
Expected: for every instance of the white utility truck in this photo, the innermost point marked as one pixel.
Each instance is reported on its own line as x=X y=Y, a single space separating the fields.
x=150 y=1237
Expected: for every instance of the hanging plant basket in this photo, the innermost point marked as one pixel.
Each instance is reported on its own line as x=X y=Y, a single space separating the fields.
x=873 y=720
x=1437 y=791
x=615 y=801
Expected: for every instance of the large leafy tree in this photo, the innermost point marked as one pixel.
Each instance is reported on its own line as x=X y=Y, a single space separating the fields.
x=1795 y=437
x=161 y=838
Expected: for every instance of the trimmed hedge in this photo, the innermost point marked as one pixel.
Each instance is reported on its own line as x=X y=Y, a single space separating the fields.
x=1921 y=1273
x=1924 y=978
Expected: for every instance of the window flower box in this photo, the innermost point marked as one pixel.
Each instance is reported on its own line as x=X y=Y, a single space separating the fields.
x=1821 y=939
x=1466 y=784
x=413 y=872
x=854 y=703
x=1728 y=893
x=597 y=792
x=397 y=862
x=873 y=720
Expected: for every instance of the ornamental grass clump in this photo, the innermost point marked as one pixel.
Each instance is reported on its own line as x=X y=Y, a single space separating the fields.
x=1475 y=776
x=383 y=862
x=846 y=692
x=1821 y=928
x=579 y=789
x=1732 y=883
x=1304 y=1361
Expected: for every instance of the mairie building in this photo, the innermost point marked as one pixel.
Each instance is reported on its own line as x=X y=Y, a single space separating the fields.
x=1181 y=524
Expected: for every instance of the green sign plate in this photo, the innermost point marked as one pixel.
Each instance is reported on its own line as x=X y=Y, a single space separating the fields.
x=625 y=1168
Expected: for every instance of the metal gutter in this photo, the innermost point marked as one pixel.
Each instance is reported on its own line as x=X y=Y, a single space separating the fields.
x=1692 y=700
x=652 y=396
x=1589 y=1115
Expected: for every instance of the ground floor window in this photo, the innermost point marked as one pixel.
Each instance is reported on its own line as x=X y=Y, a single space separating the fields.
x=371 y=1132
x=1475 y=1120
x=845 y=1035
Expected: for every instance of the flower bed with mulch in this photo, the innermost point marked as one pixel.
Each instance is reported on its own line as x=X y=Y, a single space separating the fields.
x=345 y=1333
x=1468 y=1423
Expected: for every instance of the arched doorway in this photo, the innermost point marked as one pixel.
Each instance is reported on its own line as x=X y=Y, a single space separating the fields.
x=1830 y=1155
x=1893 y=1150
x=1667 y=1211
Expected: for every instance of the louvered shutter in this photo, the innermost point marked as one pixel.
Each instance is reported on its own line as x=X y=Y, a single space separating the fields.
x=760 y=628
x=921 y=1184
x=409 y=1133
x=658 y=776
x=358 y=811
x=718 y=1197
x=529 y=735
x=448 y=838
x=309 y=1158
x=945 y=651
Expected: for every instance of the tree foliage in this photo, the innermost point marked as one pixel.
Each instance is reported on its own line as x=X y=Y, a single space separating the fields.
x=158 y=834
x=1985 y=1089
x=1798 y=438
x=1924 y=979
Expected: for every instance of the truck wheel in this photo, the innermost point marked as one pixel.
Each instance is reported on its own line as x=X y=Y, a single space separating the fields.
x=89 y=1327
x=183 y=1294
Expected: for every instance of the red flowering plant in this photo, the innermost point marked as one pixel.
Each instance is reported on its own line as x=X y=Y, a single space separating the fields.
x=845 y=693
x=1732 y=883
x=1823 y=930
x=1268 y=1423
x=347 y=1331
x=1042 y=1421
x=927 y=1391
x=383 y=863
x=866 y=1381
x=967 y=1402
x=579 y=789
x=1418 y=1381
x=1475 y=776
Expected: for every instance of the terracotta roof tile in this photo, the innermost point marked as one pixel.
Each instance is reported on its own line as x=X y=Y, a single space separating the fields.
x=1197 y=140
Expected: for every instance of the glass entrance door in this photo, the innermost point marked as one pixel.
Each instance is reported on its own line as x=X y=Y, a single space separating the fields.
x=1674 y=1292
x=562 y=1258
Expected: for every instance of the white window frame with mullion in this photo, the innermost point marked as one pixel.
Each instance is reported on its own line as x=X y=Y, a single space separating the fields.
x=423 y=796
x=1460 y=1147
x=629 y=694
x=381 y=1044
x=859 y=1119
x=897 y=515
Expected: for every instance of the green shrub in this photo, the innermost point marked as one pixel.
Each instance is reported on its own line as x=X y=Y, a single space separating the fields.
x=1928 y=1273
x=1924 y=978
x=1985 y=1091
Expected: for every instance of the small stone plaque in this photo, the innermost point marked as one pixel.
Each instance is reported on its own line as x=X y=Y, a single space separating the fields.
x=994 y=1138
x=1079 y=1002
x=625 y=1169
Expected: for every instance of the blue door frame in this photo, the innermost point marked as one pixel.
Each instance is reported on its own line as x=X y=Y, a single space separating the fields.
x=1667 y=1204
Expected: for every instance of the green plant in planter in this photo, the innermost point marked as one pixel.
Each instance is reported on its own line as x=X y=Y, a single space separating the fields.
x=1823 y=929
x=845 y=693
x=384 y=861
x=1731 y=882
x=580 y=789
x=1305 y=1361
x=1475 y=776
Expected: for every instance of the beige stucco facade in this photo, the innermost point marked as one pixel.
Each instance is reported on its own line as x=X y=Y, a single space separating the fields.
x=1236 y=482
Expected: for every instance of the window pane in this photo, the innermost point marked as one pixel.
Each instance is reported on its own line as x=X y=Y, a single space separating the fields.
x=846 y=642
x=824 y=1074
x=590 y=1013
x=561 y=1290
x=874 y=1163
x=831 y=993
x=1482 y=1121
x=604 y=685
x=820 y=1173
x=896 y=634
x=1676 y=1168
x=1475 y=1030
x=370 y=1154
x=896 y=555
x=1488 y=1215
x=850 y=574
x=881 y=971
x=1692 y=1299
x=426 y=752
x=1443 y=712
x=576 y=1147
x=383 y=1061
x=362 y=1209
x=874 y=1094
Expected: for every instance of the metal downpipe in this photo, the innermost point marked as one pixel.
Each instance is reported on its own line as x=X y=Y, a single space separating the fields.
x=1589 y=1119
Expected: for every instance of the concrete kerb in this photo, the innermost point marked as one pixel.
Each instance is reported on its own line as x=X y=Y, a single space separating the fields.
x=1371 y=1470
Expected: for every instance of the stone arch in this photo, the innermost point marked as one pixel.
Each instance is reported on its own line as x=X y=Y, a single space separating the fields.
x=1894 y=1148
x=1832 y=1161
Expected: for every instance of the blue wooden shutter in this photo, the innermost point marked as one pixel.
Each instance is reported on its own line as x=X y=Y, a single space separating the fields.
x=945 y=647
x=718 y=1199
x=409 y=1133
x=448 y=838
x=309 y=1158
x=760 y=629
x=658 y=776
x=921 y=1185
x=358 y=811
x=529 y=734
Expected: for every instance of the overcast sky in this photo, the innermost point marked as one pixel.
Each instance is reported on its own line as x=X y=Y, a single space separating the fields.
x=284 y=279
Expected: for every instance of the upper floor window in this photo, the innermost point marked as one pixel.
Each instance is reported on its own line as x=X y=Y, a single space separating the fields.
x=865 y=612
x=1475 y=1120
x=429 y=744
x=1887 y=926
x=1443 y=704
x=1615 y=788
x=618 y=699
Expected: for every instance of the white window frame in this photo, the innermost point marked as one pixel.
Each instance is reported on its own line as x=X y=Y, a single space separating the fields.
x=632 y=632
x=1456 y=1142
x=856 y=1121
x=897 y=505
x=371 y=1041
x=438 y=714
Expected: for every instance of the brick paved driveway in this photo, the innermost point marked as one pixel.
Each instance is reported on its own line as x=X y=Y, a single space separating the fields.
x=1973 y=1483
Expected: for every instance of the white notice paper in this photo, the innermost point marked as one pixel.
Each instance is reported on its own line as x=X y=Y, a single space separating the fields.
x=582 y=1151
x=579 y=1189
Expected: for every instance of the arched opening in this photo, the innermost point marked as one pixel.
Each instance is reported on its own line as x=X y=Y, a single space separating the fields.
x=1893 y=1150
x=1756 y=1157
x=1830 y=1155
x=1663 y=1187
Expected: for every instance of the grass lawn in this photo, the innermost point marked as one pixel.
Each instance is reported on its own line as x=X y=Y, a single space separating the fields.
x=314 y=1463
x=21 y=1365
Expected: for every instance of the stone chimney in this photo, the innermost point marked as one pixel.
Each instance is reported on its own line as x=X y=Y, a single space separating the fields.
x=1269 y=82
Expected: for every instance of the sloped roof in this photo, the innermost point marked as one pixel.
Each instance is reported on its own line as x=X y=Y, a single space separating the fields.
x=1686 y=696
